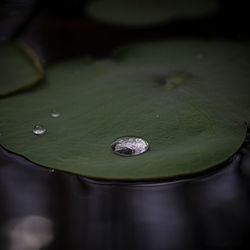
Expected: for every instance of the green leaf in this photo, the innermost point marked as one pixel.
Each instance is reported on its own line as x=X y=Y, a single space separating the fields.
x=218 y=70
x=19 y=68
x=189 y=108
x=148 y=12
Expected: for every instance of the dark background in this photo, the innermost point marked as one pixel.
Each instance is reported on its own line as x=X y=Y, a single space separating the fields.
x=59 y=29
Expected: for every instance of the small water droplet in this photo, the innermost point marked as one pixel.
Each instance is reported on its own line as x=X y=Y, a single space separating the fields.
x=39 y=129
x=199 y=56
x=52 y=170
x=157 y=116
x=55 y=113
x=129 y=146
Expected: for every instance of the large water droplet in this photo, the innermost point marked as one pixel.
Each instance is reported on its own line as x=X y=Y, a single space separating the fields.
x=55 y=113
x=129 y=145
x=39 y=129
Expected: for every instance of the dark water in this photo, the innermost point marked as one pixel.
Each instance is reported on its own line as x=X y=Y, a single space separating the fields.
x=207 y=212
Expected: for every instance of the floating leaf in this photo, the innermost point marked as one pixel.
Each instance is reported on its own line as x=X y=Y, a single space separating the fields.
x=196 y=123
x=220 y=79
x=19 y=68
x=148 y=12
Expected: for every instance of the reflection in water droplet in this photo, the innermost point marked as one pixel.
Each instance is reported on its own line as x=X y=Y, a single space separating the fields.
x=129 y=145
x=55 y=113
x=39 y=129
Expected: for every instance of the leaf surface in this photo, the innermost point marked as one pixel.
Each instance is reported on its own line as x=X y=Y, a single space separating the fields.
x=190 y=110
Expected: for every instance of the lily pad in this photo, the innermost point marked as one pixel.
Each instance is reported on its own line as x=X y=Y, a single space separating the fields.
x=19 y=68
x=190 y=109
x=148 y=12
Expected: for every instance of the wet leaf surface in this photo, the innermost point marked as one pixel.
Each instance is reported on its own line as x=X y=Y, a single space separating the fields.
x=190 y=128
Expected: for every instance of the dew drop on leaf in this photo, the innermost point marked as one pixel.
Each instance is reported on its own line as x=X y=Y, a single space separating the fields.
x=39 y=129
x=129 y=146
x=55 y=113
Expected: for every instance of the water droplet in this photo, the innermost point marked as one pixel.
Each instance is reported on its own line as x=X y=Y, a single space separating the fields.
x=52 y=170
x=39 y=129
x=129 y=146
x=199 y=56
x=157 y=116
x=55 y=113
